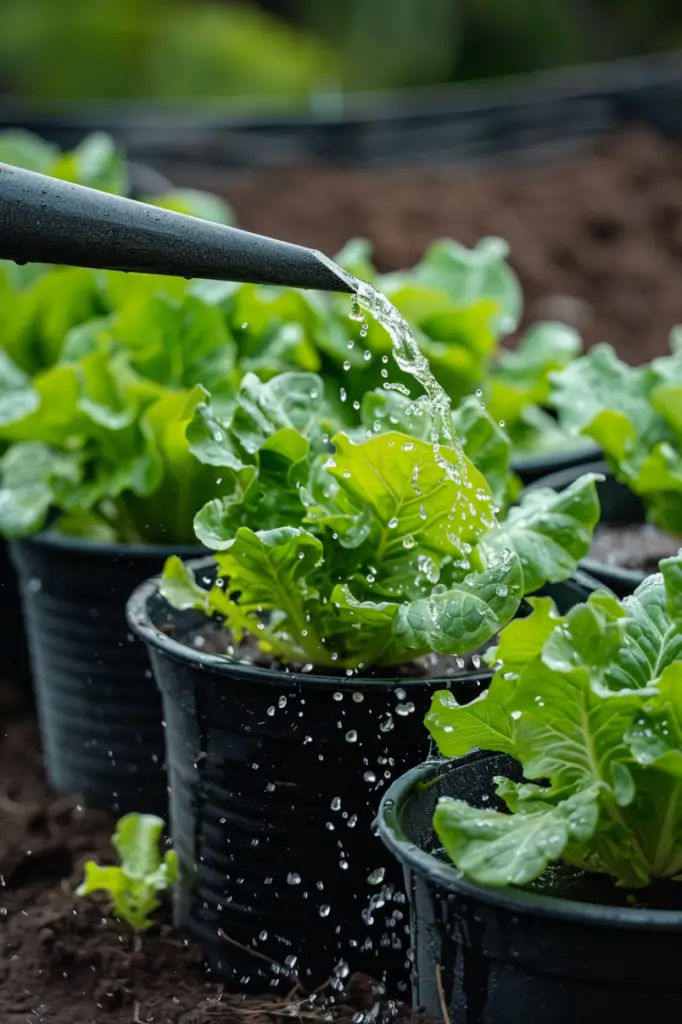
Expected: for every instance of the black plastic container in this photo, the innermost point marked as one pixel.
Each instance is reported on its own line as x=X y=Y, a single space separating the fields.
x=512 y=956
x=546 y=112
x=274 y=781
x=99 y=711
x=13 y=648
x=619 y=507
x=532 y=467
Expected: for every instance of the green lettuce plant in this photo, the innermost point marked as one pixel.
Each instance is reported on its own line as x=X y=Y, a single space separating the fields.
x=590 y=704
x=133 y=886
x=347 y=553
x=40 y=304
x=99 y=375
x=98 y=438
x=635 y=414
x=517 y=389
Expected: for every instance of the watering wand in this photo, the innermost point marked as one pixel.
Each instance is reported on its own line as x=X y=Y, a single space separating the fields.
x=44 y=220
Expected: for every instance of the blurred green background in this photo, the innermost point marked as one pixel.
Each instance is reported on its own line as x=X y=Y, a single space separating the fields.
x=281 y=51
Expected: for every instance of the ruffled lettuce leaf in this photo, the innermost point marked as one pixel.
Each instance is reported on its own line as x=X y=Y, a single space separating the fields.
x=412 y=558
x=591 y=706
x=633 y=413
x=549 y=531
x=517 y=390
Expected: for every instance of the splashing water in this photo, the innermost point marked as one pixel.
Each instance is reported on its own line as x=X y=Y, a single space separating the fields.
x=407 y=354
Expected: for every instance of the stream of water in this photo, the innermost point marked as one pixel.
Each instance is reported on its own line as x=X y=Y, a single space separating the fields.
x=411 y=360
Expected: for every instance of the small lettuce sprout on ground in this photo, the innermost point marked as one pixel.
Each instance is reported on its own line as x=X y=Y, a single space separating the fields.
x=143 y=873
x=590 y=704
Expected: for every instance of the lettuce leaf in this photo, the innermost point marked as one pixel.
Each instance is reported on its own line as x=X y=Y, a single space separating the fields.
x=100 y=376
x=633 y=413
x=591 y=705
x=518 y=388
x=409 y=555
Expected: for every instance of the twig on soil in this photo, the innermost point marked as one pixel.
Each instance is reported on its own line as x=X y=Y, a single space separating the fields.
x=12 y=807
x=282 y=1010
x=289 y=1008
x=441 y=995
x=251 y=952
x=64 y=803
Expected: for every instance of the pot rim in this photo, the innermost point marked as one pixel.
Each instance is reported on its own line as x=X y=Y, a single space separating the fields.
x=140 y=623
x=567 y=474
x=562 y=478
x=105 y=549
x=516 y=901
x=632 y=577
x=588 y=452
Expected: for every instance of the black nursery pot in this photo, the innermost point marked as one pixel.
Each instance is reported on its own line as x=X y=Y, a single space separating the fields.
x=99 y=710
x=274 y=780
x=13 y=649
x=492 y=955
x=532 y=467
x=619 y=507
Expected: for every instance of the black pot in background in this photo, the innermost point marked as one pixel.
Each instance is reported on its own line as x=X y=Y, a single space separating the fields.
x=544 y=113
x=532 y=467
x=99 y=710
x=513 y=956
x=13 y=649
x=619 y=507
x=274 y=780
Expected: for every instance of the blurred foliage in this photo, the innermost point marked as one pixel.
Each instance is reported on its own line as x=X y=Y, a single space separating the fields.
x=286 y=49
x=389 y=42
x=154 y=49
x=413 y=42
x=512 y=36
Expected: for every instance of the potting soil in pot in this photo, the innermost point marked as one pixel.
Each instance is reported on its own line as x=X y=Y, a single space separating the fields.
x=595 y=238
x=64 y=960
x=638 y=546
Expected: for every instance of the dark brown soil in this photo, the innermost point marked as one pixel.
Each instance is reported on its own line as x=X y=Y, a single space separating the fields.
x=213 y=638
x=639 y=546
x=568 y=883
x=596 y=239
x=65 y=961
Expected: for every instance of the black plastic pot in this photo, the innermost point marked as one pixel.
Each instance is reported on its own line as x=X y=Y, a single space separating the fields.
x=99 y=711
x=511 y=956
x=274 y=780
x=533 y=467
x=546 y=112
x=13 y=649
x=619 y=507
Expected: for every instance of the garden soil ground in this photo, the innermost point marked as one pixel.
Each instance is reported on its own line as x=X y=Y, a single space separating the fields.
x=596 y=239
x=63 y=961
